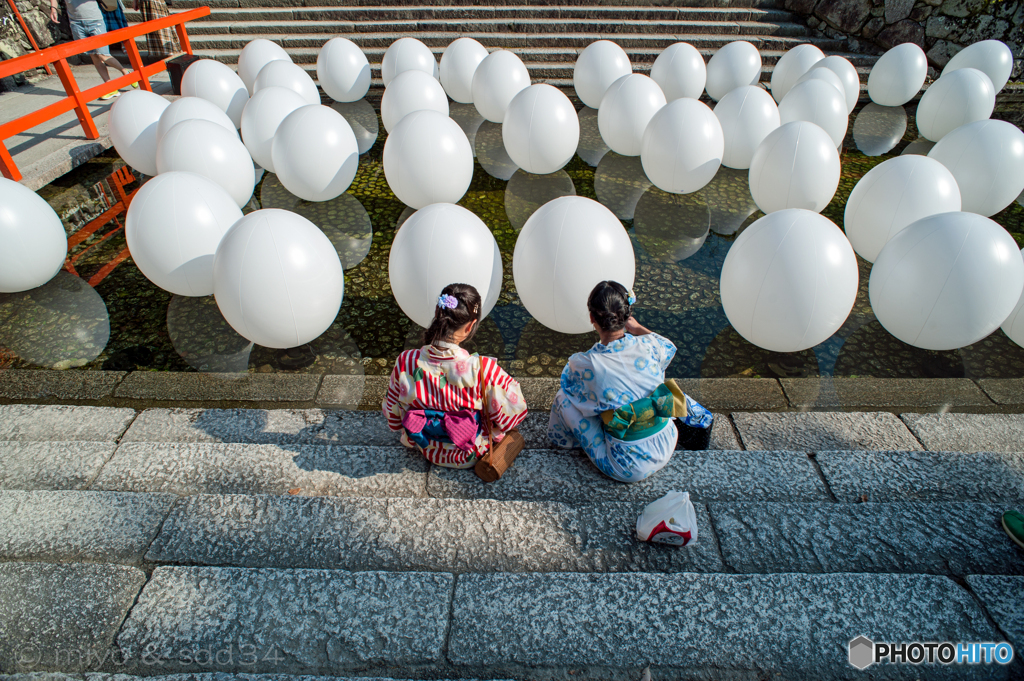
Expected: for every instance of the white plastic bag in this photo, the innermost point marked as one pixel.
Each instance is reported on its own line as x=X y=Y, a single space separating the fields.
x=669 y=520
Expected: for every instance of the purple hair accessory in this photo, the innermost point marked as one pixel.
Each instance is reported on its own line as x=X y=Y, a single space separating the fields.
x=447 y=302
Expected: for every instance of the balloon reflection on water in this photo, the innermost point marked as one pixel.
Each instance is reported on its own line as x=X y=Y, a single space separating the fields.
x=878 y=129
x=591 y=147
x=728 y=197
x=526 y=192
x=468 y=118
x=619 y=182
x=490 y=151
x=363 y=119
x=203 y=338
x=671 y=227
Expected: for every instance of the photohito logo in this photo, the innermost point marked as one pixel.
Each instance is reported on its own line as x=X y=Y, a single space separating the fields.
x=864 y=652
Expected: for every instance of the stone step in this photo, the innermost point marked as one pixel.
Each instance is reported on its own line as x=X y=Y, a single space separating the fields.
x=27 y=422
x=208 y=676
x=513 y=5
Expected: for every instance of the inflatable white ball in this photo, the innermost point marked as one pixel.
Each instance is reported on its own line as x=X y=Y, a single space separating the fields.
x=209 y=150
x=1014 y=324
x=680 y=72
x=818 y=102
x=362 y=119
x=795 y=166
x=987 y=160
x=898 y=75
x=747 y=114
x=458 y=64
x=795 y=63
x=442 y=244
x=565 y=249
x=541 y=129
x=261 y=118
x=343 y=70
x=497 y=79
x=285 y=74
x=173 y=228
x=946 y=281
x=407 y=54
x=185 y=108
x=848 y=75
x=827 y=75
x=254 y=56
x=277 y=279
x=315 y=153
x=734 y=65
x=217 y=83
x=627 y=108
x=133 y=123
x=598 y=66
x=682 y=146
x=894 y=194
x=790 y=281
x=991 y=57
x=957 y=98
x=411 y=91
x=35 y=244
x=427 y=159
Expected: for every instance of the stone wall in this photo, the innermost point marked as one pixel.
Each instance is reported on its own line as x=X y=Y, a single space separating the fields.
x=36 y=14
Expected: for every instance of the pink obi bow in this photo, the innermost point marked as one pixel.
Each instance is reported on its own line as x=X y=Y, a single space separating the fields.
x=461 y=426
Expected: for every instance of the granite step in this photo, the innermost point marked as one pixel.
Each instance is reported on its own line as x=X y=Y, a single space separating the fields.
x=515 y=5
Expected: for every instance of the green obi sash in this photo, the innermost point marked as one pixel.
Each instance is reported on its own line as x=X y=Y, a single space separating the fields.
x=646 y=416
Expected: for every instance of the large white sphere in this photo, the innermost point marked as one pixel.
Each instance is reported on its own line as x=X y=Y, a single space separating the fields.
x=185 y=108
x=427 y=159
x=34 y=242
x=254 y=56
x=848 y=75
x=411 y=91
x=795 y=63
x=217 y=83
x=407 y=54
x=946 y=281
x=205 y=148
x=565 y=249
x=343 y=70
x=734 y=65
x=133 y=122
x=827 y=75
x=541 y=129
x=956 y=98
x=894 y=194
x=362 y=119
x=818 y=102
x=173 y=228
x=1014 y=324
x=898 y=75
x=315 y=153
x=789 y=281
x=285 y=74
x=438 y=245
x=598 y=66
x=796 y=166
x=987 y=160
x=497 y=79
x=680 y=71
x=277 y=279
x=747 y=114
x=261 y=118
x=682 y=146
x=627 y=108
x=992 y=57
x=458 y=64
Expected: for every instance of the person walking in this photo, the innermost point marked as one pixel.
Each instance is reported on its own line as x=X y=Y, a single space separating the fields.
x=86 y=20
x=162 y=43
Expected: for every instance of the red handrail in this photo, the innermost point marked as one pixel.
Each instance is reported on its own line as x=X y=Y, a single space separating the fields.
x=79 y=99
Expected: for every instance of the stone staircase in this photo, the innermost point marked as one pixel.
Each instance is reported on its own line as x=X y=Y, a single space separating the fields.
x=305 y=542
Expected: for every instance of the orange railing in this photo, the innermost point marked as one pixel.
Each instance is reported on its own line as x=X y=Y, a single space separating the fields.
x=78 y=100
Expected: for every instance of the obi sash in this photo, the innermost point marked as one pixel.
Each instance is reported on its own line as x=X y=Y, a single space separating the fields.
x=648 y=415
x=459 y=428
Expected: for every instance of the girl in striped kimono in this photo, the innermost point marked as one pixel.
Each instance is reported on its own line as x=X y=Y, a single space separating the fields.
x=444 y=400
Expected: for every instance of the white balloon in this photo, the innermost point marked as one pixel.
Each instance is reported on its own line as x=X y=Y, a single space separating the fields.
x=497 y=79
x=438 y=245
x=747 y=114
x=362 y=119
x=185 y=108
x=827 y=75
x=565 y=249
x=489 y=146
x=946 y=281
x=736 y=64
x=992 y=57
x=133 y=124
x=790 y=281
x=878 y=129
x=898 y=75
x=262 y=117
x=960 y=97
x=680 y=72
x=217 y=83
x=894 y=194
x=591 y=147
x=795 y=63
x=343 y=70
x=540 y=130
x=1013 y=327
x=848 y=76
x=458 y=64
x=315 y=153
x=173 y=228
x=598 y=66
x=987 y=160
x=35 y=244
x=796 y=166
x=407 y=54
x=627 y=108
x=280 y=73
x=427 y=159
x=682 y=146
x=254 y=56
x=411 y=91
x=209 y=150
x=817 y=102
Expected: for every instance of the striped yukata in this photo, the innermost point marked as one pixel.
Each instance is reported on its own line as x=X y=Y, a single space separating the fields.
x=447 y=378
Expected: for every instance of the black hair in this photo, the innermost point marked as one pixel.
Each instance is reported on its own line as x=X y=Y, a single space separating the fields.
x=446 y=321
x=609 y=305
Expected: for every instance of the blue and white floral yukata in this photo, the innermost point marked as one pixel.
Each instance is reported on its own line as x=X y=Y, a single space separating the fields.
x=608 y=377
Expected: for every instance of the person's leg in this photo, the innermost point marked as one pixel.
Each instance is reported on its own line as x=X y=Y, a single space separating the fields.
x=113 y=63
x=101 y=68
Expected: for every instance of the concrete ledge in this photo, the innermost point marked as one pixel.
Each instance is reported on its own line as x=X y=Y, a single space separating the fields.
x=154 y=386
x=1003 y=598
x=351 y=392
x=885 y=393
x=1006 y=391
x=968 y=432
x=43 y=385
x=728 y=394
x=59 y=423
x=51 y=465
x=823 y=430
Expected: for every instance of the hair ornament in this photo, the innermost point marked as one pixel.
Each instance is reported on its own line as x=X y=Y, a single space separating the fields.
x=447 y=302
x=631 y=297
